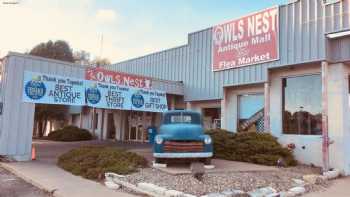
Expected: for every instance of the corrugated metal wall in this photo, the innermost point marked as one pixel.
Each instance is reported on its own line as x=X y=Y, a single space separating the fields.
x=18 y=117
x=302 y=28
x=17 y=120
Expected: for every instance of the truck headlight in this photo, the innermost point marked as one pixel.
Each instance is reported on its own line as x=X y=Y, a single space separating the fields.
x=207 y=140
x=159 y=140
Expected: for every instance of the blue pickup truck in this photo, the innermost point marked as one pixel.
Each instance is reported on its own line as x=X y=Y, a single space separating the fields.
x=181 y=136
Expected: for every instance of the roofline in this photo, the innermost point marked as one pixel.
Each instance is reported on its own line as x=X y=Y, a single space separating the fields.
x=195 y=32
x=45 y=59
x=81 y=66
x=152 y=53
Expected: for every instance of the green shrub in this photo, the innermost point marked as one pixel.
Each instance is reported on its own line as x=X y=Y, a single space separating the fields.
x=259 y=148
x=69 y=134
x=92 y=162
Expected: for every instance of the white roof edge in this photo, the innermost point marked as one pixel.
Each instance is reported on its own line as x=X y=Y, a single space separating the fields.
x=45 y=59
x=338 y=34
x=83 y=67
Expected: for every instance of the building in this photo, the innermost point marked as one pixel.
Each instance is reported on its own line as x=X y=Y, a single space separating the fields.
x=282 y=70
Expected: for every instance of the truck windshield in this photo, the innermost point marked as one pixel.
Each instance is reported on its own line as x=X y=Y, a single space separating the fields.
x=187 y=118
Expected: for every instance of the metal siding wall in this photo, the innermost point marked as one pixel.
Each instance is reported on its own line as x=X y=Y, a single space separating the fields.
x=338 y=50
x=18 y=117
x=302 y=26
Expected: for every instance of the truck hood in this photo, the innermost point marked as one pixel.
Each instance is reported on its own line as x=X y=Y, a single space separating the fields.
x=182 y=131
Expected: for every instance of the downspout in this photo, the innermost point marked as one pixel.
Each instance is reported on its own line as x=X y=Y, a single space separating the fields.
x=81 y=118
x=93 y=121
x=325 y=136
x=102 y=125
x=267 y=107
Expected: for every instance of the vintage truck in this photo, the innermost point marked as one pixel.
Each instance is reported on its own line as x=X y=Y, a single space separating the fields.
x=181 y=137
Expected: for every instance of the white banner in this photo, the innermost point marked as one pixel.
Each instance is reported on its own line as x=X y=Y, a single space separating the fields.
x=148 y=100
x=108 y=96
x=51 y=89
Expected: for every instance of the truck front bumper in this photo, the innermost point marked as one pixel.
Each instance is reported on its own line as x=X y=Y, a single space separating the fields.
x=183 y=155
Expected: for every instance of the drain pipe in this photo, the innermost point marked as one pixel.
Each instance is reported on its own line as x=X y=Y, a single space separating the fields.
x=325 y=137
x=267 y=107
x=102 y=124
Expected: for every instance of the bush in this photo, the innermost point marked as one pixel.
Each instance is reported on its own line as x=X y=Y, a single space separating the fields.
x=259 y=148
x=69 y=134
x=92 y=162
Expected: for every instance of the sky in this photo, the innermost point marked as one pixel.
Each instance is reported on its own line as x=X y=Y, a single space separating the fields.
x=129 y=28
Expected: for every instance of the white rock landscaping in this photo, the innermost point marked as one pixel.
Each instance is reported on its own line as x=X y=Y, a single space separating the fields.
x=153 y=182
x=173 y=193
x=299 y=182
x=112 y=185
x=262 y=192
x=152 y=188
x=332 y=174
x=233 y=192
x=159 y=165
x=297 y=190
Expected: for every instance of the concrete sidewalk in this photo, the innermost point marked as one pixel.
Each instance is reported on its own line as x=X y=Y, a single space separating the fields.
x=339 y=188
x=49 y=177
x=220 y=166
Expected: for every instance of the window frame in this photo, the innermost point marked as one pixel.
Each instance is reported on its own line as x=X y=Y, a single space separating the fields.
x=283 y=102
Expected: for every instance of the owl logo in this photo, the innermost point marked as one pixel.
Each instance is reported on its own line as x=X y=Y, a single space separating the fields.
x=93 y=94
x=137 y=100
x=35 y=89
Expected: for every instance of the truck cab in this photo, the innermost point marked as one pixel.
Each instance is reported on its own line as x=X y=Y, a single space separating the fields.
x=181 y=136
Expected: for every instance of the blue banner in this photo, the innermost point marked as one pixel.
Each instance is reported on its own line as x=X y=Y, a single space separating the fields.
x=51 y=89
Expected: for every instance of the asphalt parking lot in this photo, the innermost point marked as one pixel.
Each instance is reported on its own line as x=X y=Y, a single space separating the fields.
x=49 y=151
x=12 y=186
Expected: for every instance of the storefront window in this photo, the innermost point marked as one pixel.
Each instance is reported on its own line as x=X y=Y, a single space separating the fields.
x=251 y=112
x=302 y=110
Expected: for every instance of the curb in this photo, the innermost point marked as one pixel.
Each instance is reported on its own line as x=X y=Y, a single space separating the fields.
x=27 y=179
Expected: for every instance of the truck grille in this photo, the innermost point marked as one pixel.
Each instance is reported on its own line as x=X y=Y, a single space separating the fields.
x=183 y=146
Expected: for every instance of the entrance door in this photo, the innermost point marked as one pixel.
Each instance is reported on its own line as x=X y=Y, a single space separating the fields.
x=138 y=124
x=110 y=127
x=211 y=118
x=250 y=112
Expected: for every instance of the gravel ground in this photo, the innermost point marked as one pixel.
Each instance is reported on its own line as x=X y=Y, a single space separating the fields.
x=12 y=186
x=280 y=180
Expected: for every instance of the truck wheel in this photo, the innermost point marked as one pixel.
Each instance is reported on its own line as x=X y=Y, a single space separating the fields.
x=207 y=161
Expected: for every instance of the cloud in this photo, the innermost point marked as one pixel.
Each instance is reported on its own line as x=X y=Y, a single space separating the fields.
x=81 y=24
x=106 y=15
x=31 y=22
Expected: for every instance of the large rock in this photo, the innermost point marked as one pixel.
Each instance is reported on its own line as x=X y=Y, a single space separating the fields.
x=215 y=195
x=297 y=190
x=299 y=182
x=149 y=187
x=312 y=179
x=287 y=194
x=188 y=195
x=262 y=192
x=112 y=185
x=234 y=193
x=273 y=195
x=332 y=174
x=173 y=193
x=110 y=176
